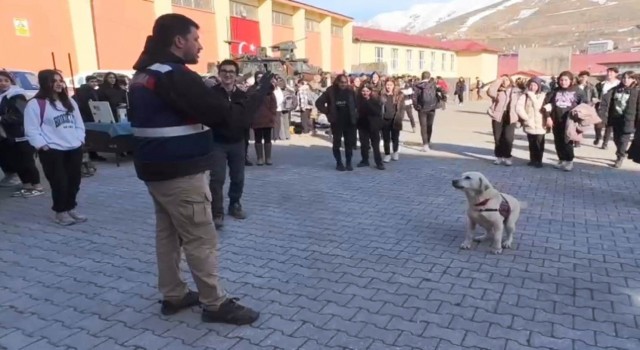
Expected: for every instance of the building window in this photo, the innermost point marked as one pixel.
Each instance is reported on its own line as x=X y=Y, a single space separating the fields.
x=282 y=19
x=244 y=11
x=444 y=61
x=453 y=62
x=379 y=54
x=421 y=60
x=206 y=5
x=409 y=59
x=433 y=61
x=394 y=59
x=336 y=30
x=311 y=25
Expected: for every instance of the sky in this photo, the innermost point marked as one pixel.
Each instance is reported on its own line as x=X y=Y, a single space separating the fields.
x=362 y=10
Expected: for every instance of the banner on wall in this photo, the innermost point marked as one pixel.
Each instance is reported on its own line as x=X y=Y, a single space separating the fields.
x=21 y=26
x=245 y=36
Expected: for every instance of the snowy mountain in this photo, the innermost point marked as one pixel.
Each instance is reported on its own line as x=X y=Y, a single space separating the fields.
x=424 y=16
x=509 y=24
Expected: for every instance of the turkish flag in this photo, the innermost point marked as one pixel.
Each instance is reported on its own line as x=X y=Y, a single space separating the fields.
x=245 y=36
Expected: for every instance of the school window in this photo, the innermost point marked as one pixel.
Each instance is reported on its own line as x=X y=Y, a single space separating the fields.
x=394 y=58
x=282 y=19
x=421 y=60
x=336 y=30
x=379 y=54
x=311 y=25
x=453 y=62
x=409 y=60
x=444 y=61
x=433 y=61
x=206 y=5
x=244 y=11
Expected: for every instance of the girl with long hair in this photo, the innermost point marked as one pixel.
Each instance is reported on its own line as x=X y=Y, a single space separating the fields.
x=53 y=126
x=392 y=113
x=338 y=103
x=369 y=124
x=111 y=91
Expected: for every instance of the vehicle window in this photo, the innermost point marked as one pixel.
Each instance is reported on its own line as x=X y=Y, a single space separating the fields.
x=26 y=80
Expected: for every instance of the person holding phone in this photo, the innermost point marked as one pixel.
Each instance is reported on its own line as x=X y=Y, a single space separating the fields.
x=504 y=95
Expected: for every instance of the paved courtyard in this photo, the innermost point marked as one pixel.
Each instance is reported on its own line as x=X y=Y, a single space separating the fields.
x=360 y=260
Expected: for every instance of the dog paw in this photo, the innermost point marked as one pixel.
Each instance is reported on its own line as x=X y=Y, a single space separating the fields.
x=496 y=251
x=480 y=238
x=506 y=244
x=465 y=245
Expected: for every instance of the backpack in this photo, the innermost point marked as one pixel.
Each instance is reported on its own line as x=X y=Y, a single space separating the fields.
x=42 y=104
x=428 y=97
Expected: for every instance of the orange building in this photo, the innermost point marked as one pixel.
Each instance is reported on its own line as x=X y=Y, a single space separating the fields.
x=92 y=35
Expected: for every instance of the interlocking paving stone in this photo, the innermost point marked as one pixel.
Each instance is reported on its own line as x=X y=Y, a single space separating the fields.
x=357 y=260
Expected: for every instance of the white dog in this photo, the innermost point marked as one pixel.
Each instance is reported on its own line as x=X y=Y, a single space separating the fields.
x=494 y=211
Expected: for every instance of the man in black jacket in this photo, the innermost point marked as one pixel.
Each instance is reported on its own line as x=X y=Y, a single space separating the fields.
x=228 y=148
x=172 y=113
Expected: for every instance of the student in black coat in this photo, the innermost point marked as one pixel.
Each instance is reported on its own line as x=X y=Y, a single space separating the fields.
x=110 y=91
x=369 y=125
x=83 y=95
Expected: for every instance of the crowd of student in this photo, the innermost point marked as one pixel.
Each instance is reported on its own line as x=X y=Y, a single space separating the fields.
x=569 y=106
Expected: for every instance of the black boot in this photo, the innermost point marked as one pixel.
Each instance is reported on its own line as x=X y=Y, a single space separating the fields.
x=235 y=210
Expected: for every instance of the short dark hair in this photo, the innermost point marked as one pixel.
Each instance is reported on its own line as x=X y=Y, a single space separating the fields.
x=426 y=75
x=583 y=73
x=230 y=63
x=168 y=26
x=90 y=77
x=613 y=69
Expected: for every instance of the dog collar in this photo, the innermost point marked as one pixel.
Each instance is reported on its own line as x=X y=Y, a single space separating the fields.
x=483 y=203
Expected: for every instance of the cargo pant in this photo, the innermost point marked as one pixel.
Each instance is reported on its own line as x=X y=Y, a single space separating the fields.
x=183 y=219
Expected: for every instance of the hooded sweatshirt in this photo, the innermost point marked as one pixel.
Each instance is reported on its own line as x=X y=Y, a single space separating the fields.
x=58 y=129
x=12 y=104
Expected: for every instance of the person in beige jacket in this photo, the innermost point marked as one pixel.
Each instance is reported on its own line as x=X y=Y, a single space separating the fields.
x=534 y=122
x=504 y=95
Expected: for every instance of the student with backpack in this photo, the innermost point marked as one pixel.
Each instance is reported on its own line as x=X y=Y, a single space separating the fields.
x=426 y=100
x=53 y=126
x=18 y=151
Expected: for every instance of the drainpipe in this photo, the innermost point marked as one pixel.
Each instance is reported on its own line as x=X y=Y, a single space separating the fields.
x=95 y=33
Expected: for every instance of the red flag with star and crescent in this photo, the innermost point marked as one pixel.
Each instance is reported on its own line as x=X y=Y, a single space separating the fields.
x=245 y=36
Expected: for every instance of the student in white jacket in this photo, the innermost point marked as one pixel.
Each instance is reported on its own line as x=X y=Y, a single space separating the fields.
x=53 y=125
x=535 y=124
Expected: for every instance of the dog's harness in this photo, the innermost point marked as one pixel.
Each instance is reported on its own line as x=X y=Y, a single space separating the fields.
x=504 y=209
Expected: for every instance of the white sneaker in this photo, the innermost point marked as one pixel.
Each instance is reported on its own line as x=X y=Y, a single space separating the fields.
x=395 y=156
x=560 y=165
x=508 y=162
x=64 y=219
x=387 y=158
x=10 y=181
x=425 y=148
x=77 y=217
x=568 y=166
x=498 y=161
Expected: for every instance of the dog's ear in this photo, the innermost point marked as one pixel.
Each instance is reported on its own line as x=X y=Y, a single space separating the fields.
x=484 y=184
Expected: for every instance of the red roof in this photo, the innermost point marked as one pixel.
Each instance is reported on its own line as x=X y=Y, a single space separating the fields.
x=468 y=46
x=593 y=63
x=395 y=38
